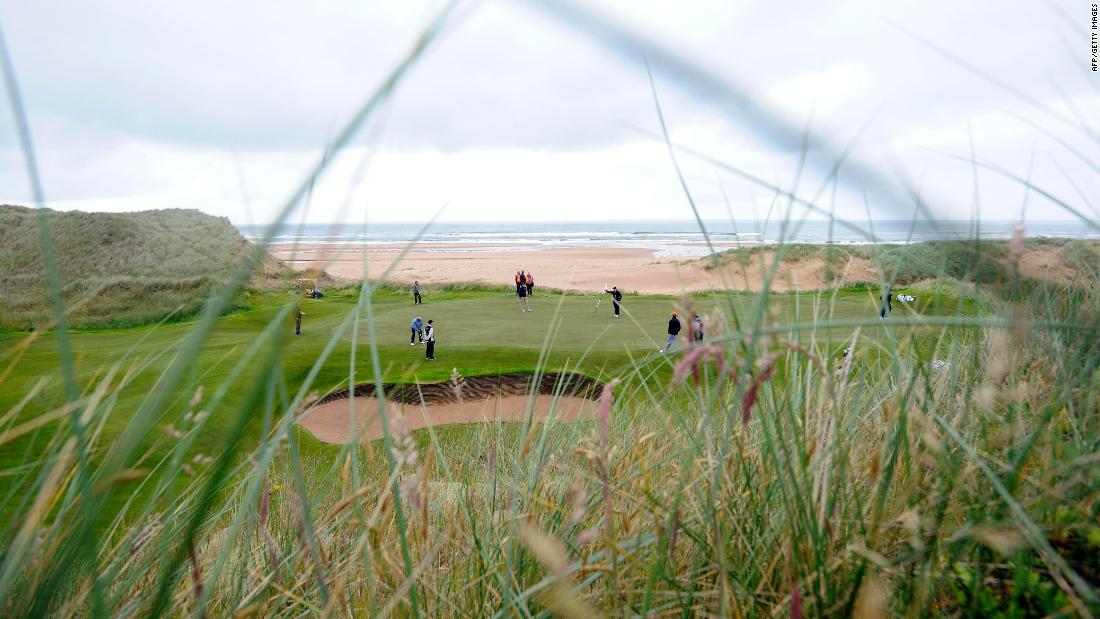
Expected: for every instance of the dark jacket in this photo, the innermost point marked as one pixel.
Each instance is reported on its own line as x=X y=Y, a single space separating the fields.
x=618 y=296
x=674 y=326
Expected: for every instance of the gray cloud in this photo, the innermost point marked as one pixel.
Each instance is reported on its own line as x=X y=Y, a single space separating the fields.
x=124 y=95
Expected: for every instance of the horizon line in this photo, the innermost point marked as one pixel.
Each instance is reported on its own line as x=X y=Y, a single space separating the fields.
x=612 y=221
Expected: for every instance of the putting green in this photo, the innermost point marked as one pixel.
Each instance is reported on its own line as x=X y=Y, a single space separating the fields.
x=572 y=322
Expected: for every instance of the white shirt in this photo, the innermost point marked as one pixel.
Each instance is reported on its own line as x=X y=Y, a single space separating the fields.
x=429 y=335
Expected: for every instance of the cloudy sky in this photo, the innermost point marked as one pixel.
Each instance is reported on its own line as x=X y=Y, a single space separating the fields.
x=519 y=112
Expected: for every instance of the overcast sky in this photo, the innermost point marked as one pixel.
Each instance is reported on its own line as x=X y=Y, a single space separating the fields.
x=515 y=114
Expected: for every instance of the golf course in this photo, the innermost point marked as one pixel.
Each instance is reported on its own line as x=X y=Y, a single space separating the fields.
x=527 y=310
x=557 y=446
x=479 y=332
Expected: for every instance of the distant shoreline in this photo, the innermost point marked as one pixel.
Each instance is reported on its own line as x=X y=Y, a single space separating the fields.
x=666 y=239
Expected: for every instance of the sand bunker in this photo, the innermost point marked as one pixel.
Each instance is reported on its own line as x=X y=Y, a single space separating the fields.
x=480 y=399
x=336 y=422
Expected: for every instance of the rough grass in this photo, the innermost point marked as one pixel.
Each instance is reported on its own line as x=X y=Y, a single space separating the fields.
x=1083 y=258
x=115 y=269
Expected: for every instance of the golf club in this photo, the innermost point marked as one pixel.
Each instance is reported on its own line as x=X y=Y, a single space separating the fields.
x=598 y=299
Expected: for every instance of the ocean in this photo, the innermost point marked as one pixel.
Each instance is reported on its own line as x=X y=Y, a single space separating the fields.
x=667 y=238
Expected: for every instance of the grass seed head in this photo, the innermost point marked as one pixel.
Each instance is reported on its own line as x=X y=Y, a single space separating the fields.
x=873 y=600
x=575 y=497
x=603 y=410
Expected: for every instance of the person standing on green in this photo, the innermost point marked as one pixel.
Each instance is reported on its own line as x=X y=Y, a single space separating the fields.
x=417 y=299
x=521 y=292
x=429 y=338
x=298 y=313
x=886 y=306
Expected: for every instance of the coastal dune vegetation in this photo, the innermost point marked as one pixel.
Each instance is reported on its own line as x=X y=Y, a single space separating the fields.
x=116 y=269
x=1060 y=260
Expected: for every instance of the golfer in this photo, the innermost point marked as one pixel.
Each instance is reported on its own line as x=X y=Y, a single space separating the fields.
x=673 y=331
x=616 y=298
x=530 y=284
x=886 y=306
x=521 y=292
x=417 y=300
x=429 y=337
x=697 y=327
x=298 y=313
x=417 y=330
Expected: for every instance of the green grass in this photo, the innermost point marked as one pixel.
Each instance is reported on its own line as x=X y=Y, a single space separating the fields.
x=880 y=447
x=480 y=331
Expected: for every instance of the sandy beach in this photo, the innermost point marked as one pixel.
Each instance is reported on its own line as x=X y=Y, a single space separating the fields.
x=634 y=270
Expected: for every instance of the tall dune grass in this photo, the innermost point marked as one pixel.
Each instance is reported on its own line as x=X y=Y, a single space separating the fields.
x=756 y=475
x=115 y=269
